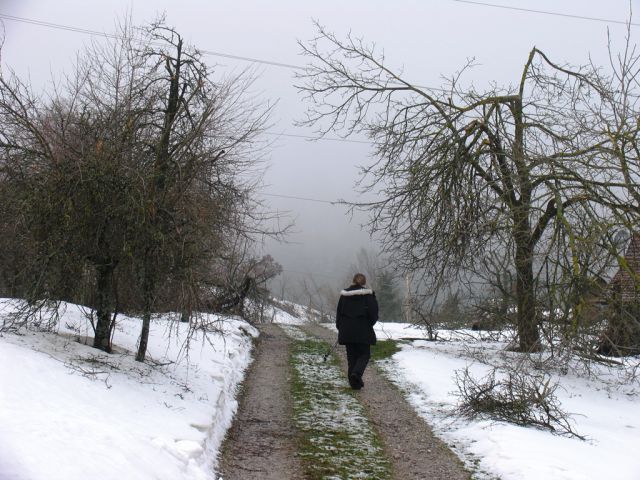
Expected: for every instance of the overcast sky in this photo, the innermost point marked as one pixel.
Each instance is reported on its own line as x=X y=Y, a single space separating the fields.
x=427 y=39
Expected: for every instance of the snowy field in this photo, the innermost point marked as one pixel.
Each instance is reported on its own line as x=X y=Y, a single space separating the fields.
x=72 y=412
x=605 y=409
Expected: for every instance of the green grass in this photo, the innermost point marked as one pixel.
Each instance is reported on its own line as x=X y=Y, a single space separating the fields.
x=337 y=441
x=384 y=349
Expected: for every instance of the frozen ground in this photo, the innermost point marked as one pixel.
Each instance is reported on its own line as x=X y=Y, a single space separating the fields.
x=606 y=409
x=71 y=412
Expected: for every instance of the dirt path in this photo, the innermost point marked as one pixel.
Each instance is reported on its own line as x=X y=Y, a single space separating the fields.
x=261 y=442
x=414 y=451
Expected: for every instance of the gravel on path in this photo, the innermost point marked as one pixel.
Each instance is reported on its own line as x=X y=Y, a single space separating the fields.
x=414 y=451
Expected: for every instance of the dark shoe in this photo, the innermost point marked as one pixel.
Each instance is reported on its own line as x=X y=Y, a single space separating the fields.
x=356 y=381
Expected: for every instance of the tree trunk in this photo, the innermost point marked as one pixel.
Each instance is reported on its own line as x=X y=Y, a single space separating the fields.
x=162 y=160
x=148 y=288
x=527 y=321
x=144 y=335
x=104 y=276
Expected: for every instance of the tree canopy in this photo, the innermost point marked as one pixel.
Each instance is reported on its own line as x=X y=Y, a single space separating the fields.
x=470 y=181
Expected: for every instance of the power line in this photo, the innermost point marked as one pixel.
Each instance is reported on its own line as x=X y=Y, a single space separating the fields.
x=87 y=31
x=281 y=64
x=56 y=25
x=306 y=199
x=310 y=137
x=253 y=60
x=545 y=12
x=206 y=52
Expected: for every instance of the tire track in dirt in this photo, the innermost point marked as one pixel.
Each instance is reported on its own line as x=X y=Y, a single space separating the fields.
x=414 y=451
x=261 y=443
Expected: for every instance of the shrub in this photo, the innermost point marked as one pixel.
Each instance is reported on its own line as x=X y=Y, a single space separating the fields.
x=519 y=397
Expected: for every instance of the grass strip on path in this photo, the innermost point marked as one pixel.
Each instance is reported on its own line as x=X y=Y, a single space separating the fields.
x=384 y=349
x=338 y=442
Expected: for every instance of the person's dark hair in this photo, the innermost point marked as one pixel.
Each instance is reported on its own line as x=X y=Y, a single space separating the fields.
x=359 y=279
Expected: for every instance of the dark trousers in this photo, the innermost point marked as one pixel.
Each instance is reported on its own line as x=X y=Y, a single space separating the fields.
x=358 y=355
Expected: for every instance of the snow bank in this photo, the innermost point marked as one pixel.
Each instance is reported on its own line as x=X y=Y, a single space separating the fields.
x=69 y=411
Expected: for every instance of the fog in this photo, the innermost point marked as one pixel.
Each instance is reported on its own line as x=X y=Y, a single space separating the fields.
x=426 y=39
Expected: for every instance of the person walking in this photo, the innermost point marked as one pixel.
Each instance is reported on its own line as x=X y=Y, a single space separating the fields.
x=356 y=315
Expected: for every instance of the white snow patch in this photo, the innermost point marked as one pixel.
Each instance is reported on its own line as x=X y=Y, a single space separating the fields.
x=605 y=408
x=69 y=411
x=289 y=313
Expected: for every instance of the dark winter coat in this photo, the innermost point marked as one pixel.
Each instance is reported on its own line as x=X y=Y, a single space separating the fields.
x=357 y=314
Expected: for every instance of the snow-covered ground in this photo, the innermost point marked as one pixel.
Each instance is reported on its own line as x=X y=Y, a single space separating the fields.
x=289 y=313
x=606 y=409
x=69 y=411
x=72 y=412
x=295 y=316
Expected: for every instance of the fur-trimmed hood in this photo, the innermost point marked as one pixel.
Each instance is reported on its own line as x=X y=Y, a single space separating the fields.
x=357 y=291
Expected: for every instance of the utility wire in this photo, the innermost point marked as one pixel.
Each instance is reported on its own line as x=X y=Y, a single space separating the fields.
x=206 y=52
x=310 y=137
x=87 y=31
x=57 y=25
x=545 y=12
x=306 y=199
x=281 y=64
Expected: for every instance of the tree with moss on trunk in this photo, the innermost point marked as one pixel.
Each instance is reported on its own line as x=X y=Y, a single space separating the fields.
x=133 y=174
x=462 y=173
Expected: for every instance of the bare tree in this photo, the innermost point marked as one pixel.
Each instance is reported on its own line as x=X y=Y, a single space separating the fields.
x=134 y=173
x=241 y=281
x=462 y=174
x=369 y=263
x=202 y=137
